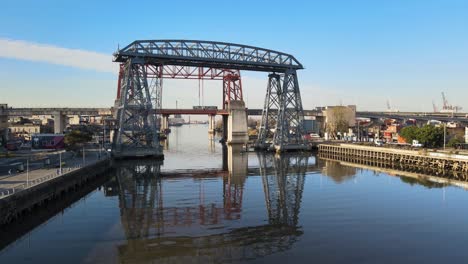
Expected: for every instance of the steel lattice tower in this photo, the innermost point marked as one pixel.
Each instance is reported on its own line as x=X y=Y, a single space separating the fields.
x=232 y=88
x=283 y=109
x=139 y=100
x=270 y=110
x=289 y=132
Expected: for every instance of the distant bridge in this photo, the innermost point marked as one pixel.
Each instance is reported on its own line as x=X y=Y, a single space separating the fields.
x=250 y=112
x=421 y=116
x=81 y=111
x=61 y=110
x=108 y=111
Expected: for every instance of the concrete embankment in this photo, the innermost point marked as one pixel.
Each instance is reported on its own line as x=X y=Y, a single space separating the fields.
x=13 y=206
x=422 y=158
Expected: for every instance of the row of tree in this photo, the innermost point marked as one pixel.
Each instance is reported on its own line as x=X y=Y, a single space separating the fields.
x=428 y=135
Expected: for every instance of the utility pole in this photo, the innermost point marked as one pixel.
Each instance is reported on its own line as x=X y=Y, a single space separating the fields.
x=444 y=134
x=358 y=131
x=27 y=172
x=60 y=162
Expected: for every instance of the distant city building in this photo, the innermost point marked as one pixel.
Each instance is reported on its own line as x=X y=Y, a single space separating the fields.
x=3 y=116
x=24 y=130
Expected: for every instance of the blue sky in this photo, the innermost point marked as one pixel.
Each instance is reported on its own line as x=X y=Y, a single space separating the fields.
x=355 y=52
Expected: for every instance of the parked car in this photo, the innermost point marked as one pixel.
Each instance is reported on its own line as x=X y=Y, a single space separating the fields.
x=416 y=144
x=378 y=142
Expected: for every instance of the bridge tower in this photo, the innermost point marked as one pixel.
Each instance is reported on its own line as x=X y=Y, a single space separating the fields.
x=270 y=111
x=282 y=111
x=233 y=101
x=139 y=99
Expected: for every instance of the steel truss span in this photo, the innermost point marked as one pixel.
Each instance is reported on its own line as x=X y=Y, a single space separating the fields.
x=144 y=63
x=219 y=55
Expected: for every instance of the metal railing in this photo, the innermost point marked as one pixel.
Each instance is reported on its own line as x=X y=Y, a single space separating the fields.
x=38 y=181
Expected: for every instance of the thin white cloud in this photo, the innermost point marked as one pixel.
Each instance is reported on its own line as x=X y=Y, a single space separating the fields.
x=30 y=51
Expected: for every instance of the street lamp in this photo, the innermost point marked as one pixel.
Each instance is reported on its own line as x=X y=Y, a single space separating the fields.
x=60 y=162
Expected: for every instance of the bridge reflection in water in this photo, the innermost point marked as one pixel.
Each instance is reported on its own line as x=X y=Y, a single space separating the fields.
x=161 y=225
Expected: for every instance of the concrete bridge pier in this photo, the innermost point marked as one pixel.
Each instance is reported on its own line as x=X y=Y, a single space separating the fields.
x=237 y=123
x=211 y=124
x=225 y=127
x=59 y=122
x=164 y=122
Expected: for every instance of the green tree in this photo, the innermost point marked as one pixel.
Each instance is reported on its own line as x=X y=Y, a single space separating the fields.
x=77 y=137
x=454 y=141
x=409 y=133
x=428 y=135
x=431 y=136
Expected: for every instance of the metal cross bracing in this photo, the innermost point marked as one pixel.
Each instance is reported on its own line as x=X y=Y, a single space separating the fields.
x=270 y=111
x=232 y=89
x=138 y=98
x=213 y=54
x=283 y=112
x=232 y=84
x=289 y=132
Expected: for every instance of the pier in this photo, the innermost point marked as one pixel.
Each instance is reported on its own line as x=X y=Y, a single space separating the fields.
x=379 y=155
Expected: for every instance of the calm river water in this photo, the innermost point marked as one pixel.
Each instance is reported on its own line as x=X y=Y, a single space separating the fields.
x=207 y=204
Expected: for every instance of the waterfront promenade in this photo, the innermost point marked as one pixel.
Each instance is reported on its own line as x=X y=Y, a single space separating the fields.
x=20 y=181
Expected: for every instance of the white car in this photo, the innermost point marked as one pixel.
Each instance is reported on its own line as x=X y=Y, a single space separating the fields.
x=378 y=142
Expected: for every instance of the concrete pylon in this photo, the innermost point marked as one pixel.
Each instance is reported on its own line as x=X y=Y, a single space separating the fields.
x=237 y=123
x=164 y=122
x=225 y=127
x=211 y=124
x=59 y=122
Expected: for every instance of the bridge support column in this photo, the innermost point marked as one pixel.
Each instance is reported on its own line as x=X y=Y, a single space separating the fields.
x=289 y=133
x=237 y=123
x=164 y=123
x=138 y=100
x=59 y=122
x=225 y=127
x=211 y=124
x=270 y=112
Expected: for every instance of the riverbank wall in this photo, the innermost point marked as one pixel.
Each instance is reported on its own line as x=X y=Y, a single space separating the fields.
x=378 y=155
x=14 y=206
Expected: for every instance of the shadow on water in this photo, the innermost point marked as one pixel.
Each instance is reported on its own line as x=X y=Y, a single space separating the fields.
x=154 y=226
x=41 y=214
